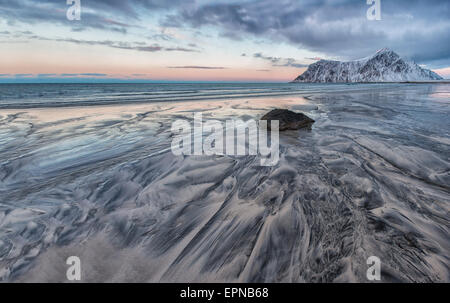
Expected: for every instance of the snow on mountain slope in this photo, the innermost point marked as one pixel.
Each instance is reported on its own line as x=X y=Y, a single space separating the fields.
x=384 y=66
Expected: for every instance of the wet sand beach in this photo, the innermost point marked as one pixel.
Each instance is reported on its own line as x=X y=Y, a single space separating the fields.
x=370 y=178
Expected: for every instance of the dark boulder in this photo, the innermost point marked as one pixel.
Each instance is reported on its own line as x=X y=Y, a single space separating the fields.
x=288 y=119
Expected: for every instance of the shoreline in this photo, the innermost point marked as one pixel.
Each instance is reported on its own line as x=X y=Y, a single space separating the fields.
x=310 y=89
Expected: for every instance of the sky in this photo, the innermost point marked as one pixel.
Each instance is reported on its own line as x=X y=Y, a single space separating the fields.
x=210 y=40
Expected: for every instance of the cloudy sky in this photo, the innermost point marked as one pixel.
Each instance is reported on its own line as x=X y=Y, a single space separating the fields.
x=211 y=40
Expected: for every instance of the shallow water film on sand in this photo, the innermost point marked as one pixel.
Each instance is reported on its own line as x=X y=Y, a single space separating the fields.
x=87 y=171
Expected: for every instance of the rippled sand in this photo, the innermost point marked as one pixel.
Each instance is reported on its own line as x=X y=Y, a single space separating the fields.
x=372 y=177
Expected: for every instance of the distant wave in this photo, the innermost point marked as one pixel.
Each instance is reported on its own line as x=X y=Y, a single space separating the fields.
x=60 y=95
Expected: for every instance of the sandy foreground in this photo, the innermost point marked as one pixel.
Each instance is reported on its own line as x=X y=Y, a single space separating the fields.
x=371 y=178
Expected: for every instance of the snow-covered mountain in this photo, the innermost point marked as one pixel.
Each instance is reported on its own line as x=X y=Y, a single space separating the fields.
x=384 y=66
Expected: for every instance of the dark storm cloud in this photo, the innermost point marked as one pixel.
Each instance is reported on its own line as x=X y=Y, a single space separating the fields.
x=53 y=11
x=313 y=58
x=137 y=46
x=277 y=61
x=417 y=29
x=108 y=15
x=113 y=15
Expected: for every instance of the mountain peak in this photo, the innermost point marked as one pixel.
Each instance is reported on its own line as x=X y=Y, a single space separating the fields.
x=385 y=50
x=384 y=66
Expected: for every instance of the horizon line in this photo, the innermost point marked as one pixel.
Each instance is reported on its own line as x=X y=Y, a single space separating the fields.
x=120 y=81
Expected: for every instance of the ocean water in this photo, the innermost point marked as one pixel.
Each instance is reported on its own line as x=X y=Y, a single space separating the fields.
x=60 y=95
x=87 y=171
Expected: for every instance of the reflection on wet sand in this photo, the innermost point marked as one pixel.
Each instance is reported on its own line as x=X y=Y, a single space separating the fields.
x=100 y=182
